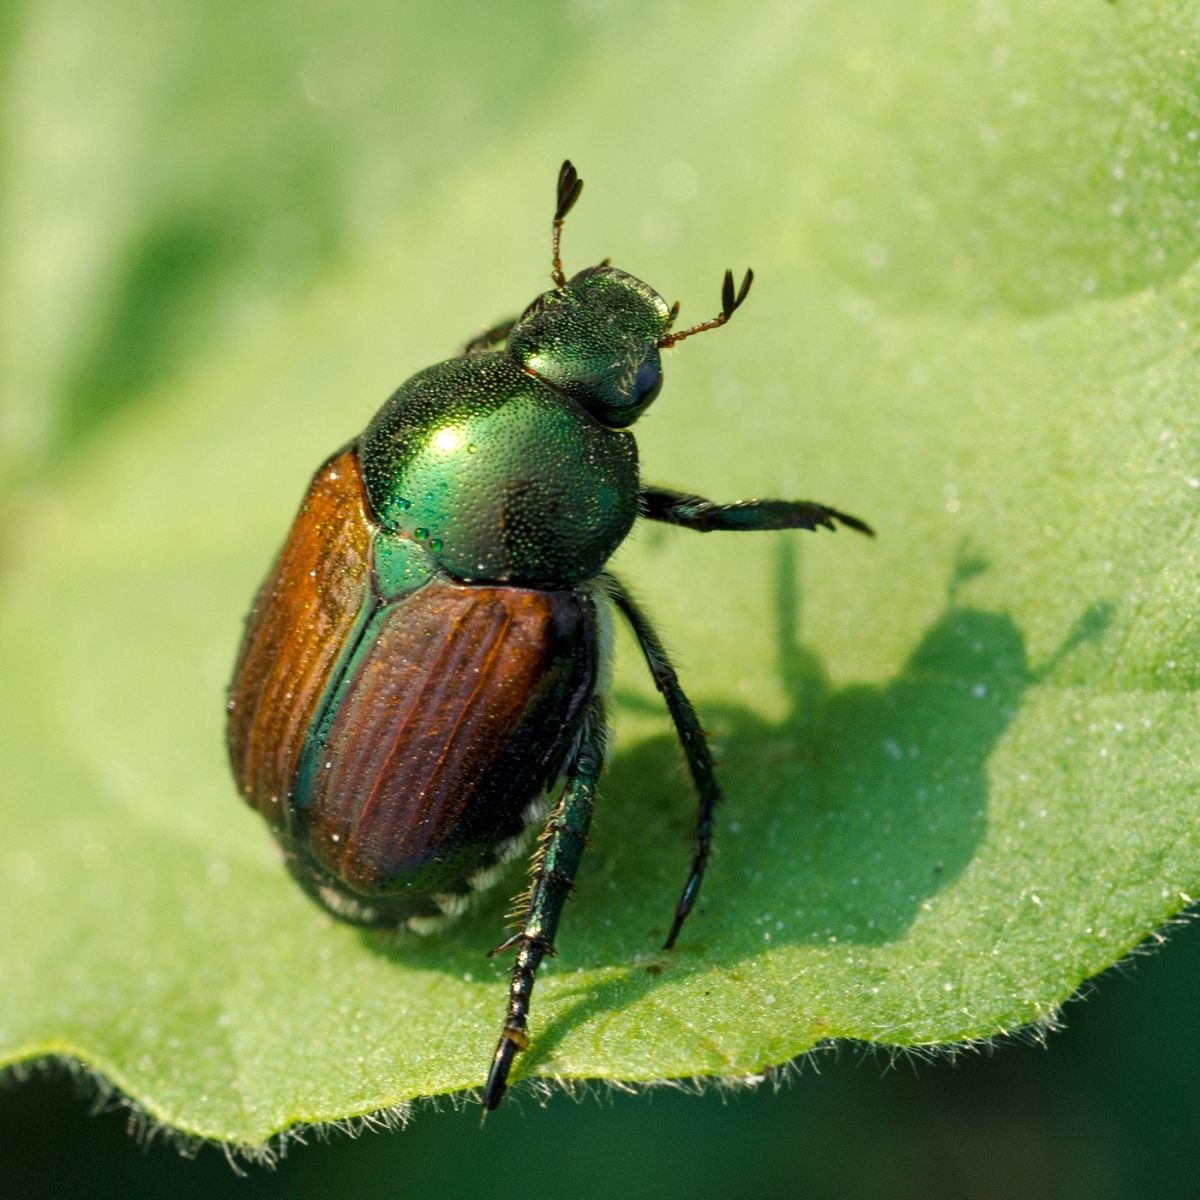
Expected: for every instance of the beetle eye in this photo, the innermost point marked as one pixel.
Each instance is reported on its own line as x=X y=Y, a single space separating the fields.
x=647 y=382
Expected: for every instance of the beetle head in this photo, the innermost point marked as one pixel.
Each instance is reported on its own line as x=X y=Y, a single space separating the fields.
x=596 y=339
x=596 y=336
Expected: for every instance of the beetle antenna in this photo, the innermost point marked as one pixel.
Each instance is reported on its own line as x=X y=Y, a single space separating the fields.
x=730 y=303
x=569 y=187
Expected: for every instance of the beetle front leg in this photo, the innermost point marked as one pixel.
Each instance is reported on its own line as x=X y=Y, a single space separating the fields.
x=489 y=337
x=556 y=864
x=691 y=738
x=694 y=512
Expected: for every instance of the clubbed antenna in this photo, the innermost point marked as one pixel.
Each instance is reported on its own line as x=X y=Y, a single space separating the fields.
x=730 y=303
x=569 y=187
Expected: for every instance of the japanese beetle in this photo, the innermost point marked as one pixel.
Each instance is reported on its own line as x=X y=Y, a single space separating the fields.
x=426 y=656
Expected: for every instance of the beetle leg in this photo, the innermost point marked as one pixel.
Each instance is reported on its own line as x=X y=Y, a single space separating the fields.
x=691 y=737
x=557 y=861
x=489 y=337
x=694 y=512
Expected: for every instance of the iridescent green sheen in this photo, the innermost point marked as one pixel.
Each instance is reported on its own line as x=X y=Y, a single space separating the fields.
x=594 y=340
x=401 y=565
x=311 y=757
x=499 y=476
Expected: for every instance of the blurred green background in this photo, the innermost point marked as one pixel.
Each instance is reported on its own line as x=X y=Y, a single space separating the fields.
x=183 y=182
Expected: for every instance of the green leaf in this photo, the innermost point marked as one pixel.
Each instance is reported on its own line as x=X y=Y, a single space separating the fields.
x=959 y=761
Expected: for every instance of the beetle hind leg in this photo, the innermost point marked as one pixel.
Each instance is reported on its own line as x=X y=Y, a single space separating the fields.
x=691 y=738
x=555 y=866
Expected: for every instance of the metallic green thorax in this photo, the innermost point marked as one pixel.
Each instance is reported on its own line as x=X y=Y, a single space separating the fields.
x=506 y=466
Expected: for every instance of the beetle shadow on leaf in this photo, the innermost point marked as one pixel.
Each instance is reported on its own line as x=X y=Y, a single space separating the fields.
x=840 y=821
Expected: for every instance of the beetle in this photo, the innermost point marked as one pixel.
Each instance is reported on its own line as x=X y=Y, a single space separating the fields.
x=427 y=655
